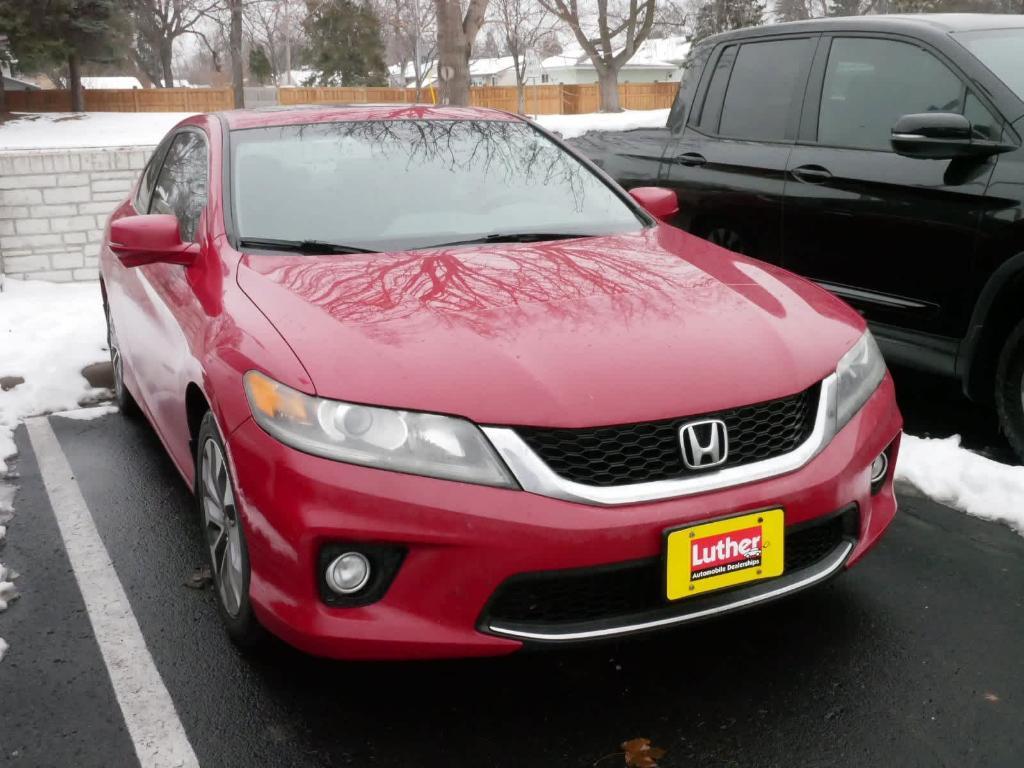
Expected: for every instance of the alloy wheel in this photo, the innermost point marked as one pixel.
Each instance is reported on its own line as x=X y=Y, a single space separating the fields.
x=115 y=360
x=220 y=524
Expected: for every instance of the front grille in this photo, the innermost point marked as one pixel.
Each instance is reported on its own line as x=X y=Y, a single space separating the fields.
x=648 y=451
x=635 y=587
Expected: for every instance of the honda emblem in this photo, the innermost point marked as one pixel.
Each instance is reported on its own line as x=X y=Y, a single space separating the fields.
x=705 y=443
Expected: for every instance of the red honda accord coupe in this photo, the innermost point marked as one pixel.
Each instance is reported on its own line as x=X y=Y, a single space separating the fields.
x=442 y=388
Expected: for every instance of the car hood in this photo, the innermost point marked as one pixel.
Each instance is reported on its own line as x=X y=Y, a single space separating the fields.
x=599 y=330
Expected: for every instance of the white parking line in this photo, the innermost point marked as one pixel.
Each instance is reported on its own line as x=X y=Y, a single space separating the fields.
x=156 y=731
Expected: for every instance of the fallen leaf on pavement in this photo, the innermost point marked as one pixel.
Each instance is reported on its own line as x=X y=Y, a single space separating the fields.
x=201 y=578
x=640 y=754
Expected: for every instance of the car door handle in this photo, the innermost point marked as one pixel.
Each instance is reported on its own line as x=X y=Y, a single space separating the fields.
x=690 y=159
x=811 y=174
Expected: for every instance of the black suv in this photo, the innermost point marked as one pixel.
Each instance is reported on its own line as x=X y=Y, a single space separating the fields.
x=879 y=156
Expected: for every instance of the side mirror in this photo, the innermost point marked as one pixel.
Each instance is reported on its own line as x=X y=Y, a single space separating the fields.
x=150 y=239
x=661 y=203
x=941 y=136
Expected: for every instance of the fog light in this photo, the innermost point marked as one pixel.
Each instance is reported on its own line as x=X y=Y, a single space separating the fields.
x=879 y=469
x=348 y=573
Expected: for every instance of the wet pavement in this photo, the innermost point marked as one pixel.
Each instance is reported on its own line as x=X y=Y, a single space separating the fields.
x=911 y=659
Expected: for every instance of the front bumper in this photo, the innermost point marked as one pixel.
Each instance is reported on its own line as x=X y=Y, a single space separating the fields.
x=463 y=541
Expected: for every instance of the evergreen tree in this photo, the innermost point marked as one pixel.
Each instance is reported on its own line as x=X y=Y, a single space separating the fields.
x=259 y=65
x=714 y=16
x=344 y=44
x=52 y=32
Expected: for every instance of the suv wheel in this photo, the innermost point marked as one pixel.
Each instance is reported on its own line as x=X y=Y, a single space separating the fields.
x=224 y=535
x=1010 y=389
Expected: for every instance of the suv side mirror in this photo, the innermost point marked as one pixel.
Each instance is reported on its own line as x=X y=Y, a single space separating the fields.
x=941 y=136
x=661 y=203
x=150 y=239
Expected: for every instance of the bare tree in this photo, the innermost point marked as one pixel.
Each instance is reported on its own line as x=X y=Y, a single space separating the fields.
x=456 y=32
x=235 y=46
x=275 y=25
x=524 y=24
x=611 y=40
x=158 y=24
x=410 y=37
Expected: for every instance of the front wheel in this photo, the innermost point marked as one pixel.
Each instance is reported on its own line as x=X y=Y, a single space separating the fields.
x=1010 y=390
x=125 y=402
x=224 y=535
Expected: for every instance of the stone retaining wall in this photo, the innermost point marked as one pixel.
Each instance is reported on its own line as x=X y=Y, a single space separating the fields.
x=54 y=205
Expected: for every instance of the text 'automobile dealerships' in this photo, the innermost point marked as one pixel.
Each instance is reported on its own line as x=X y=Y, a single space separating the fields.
x=442 y=388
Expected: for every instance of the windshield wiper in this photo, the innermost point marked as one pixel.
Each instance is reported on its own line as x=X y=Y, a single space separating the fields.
x=301 y=246
x=511 y=237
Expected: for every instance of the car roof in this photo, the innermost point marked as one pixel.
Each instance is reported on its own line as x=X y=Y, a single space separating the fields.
x=940 y=23
x=241 y=119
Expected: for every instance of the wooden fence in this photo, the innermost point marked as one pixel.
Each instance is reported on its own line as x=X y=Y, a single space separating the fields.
x=540 y=99
x=135 y=100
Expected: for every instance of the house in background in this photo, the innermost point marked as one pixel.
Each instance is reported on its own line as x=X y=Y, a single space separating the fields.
x=13 y=83
x=655 y=61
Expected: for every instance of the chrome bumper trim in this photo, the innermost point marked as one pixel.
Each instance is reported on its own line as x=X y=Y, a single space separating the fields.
x=537 y=477
x=814 y=575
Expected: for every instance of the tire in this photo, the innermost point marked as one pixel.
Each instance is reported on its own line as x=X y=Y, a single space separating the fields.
x=1010 y=390
x=122 y=397
x=224 y=536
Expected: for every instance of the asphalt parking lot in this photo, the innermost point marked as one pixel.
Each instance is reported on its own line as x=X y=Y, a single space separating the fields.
x=911 y=659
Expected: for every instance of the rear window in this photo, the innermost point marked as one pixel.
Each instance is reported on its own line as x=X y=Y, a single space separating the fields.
x=403 y=184
x=765 y=90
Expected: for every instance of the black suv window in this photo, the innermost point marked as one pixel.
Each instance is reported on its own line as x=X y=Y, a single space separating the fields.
x=870 y=83
x=765 y=90
x=716 y=90
x=181 y=188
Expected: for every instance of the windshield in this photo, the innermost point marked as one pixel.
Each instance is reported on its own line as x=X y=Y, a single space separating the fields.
x=403 y=184
x=1002 y=51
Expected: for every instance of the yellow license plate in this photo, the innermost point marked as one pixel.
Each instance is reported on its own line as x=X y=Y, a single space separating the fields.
x=724 y=553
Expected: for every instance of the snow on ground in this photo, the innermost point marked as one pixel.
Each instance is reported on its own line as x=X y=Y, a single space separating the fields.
x=942 y=470
x=87 y=414
x=572 y=126
x=49 y=332
x=53 y=130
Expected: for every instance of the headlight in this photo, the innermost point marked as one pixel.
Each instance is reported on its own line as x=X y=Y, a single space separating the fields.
x=403 y=441
x=858 y=375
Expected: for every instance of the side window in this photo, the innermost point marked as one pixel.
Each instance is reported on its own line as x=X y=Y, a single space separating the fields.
x=148 y=179
x=766 y=90
x=180 y=189
x=869 y=84
x=716 y=91
x=693 y=68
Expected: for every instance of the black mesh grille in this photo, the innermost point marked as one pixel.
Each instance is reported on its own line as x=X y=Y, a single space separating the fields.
x=634 y=587
x=640 y=453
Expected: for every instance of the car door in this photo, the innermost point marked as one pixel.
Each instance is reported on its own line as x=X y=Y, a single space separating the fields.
x=163 y=344
x=728 y=167
x=892 y=235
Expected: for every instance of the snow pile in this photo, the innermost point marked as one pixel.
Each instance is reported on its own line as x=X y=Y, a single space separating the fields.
x=49 y=332
x=947 y=473
x=55 y=130
x=7 y=591
x=87 y=414
x=573 y=126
